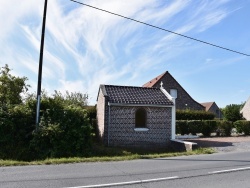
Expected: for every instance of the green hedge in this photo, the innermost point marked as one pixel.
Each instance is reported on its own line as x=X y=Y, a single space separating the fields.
x=242 y=126
x=64 y=131
x=16 y=127
x=194 y=115
x=206 y=127
x=224 y=128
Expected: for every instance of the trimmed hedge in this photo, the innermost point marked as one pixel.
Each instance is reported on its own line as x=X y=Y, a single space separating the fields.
x=194 y=115
x=206 y=127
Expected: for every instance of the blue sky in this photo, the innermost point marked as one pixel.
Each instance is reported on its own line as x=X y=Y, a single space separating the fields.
x=85 y=47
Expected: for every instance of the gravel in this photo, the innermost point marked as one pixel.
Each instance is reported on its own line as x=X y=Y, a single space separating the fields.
x=224 y=144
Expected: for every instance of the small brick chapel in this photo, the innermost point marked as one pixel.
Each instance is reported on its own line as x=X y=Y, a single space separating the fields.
x=130 y=116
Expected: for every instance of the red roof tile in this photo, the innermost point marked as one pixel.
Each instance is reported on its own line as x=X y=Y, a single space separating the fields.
x=152 y=82
x=207 y=105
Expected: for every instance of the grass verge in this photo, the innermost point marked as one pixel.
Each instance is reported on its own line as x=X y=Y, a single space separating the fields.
x=111 y=155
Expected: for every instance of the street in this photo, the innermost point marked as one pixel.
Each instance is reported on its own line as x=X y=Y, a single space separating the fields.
x=215 y=170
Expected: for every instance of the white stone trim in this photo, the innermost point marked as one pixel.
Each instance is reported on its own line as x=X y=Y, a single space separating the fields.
x=167 y=94
x=173 y=120
x=141 y=129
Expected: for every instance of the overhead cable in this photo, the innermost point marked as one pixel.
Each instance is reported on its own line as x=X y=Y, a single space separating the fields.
x=150 y=25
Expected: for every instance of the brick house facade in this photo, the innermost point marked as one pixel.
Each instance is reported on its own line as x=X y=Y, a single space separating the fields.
x=183 y=99
x=121 y=109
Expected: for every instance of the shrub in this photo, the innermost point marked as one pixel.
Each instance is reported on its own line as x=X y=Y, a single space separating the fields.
x=232 y=112
x=208 y=126
x=63 y=133
x=194 y=115
x=194 y=126
x=242 y=126
x=16 y=126
x=224 y=128
x=205 y=127
x=91 y=115
x=181 y=127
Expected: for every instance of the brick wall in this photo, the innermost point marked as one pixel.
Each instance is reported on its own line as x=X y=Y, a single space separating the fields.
x=184 y=100
x=100 y=114
x=122 y=125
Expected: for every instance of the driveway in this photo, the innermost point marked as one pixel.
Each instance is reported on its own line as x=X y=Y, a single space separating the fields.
x=224 y=144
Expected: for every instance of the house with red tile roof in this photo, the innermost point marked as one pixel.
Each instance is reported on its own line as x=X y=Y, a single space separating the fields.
x=183 y=99
x=130 y=116
x=212 y=107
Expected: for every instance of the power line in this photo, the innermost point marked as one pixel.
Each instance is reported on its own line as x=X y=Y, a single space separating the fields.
x=150 y=25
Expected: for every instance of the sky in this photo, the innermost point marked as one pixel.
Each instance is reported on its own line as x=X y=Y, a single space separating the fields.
x=85 y=47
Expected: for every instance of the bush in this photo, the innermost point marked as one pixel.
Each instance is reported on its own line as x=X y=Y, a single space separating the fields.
x=208 y=126
x=224 y=128
x=63 y=133
x=232 y=112
x=181 y=127
x=205 y=127
x=242 y=126
x=16 y=126
x=91 y=115
x=194 y=115
x=194 y=126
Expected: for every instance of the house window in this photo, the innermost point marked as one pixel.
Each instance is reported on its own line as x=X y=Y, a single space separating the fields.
x=140 y=118
x=173 y=93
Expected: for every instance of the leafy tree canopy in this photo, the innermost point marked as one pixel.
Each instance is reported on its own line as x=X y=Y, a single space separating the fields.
x=11 y=87
x=232 y=112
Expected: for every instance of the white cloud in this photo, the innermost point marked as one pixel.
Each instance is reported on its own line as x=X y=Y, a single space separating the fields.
x=85 y=47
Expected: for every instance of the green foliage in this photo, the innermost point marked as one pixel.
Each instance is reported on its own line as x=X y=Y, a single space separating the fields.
x=16 y=126
x=73 y=98
x=181 y=127
x=208 y=127
x=224 y=128
x=194 y=115
x=11 y=87
x=242 y=126
x=64 y=129
x=91 y=114
x=232 y=112
x=194 y=126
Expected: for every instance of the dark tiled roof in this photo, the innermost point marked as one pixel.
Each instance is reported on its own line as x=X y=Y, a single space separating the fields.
x=135 y=95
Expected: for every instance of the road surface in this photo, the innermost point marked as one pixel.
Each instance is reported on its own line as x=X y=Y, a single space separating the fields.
x=216 y=170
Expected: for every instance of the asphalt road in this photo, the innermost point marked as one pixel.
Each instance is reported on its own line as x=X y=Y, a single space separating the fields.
x=215 y=170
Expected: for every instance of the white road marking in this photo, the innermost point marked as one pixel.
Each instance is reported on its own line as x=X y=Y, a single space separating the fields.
x=229 y=170
x=127 y=183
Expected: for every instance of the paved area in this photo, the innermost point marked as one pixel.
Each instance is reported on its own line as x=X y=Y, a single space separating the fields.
x=224 y=144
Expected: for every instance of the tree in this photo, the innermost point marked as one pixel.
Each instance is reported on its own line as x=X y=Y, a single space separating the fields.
x=232 y=112
x=11 y=87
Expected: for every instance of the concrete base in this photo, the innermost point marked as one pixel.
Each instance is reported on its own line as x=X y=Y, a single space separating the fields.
x=180 y=145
